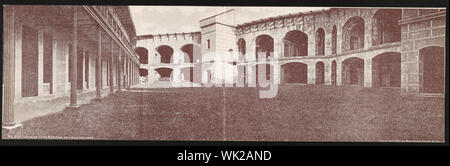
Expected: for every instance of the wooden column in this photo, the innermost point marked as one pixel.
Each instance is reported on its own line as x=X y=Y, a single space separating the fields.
x=8 y=67
x=119 y=67
x=73 y=78
x=98 y=66
x=111 y=73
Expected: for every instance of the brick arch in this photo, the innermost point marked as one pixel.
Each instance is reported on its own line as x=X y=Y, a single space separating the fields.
x=166 y=52
x=353 y=34
x=386 y=69
x=143 y=54
x=265 y=43
x=294 y=72
x=193 y=50
x=353 y=71
x=164 y=71
x=320 y=72
x=319 y=41
x=295 y=43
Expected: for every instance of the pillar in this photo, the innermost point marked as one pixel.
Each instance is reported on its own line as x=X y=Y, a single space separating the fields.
x=111 y=72
x=338 y=73
x=129 y=72
x=119 y=67
x=311 y=73
x=40 y=62
x=8 y=68
x=125 y=70
x=328 y=72
x=54 y=63
x=83 y=73
x=368 y=72
x=73 y=78
x=18 y=58
x=98 y=66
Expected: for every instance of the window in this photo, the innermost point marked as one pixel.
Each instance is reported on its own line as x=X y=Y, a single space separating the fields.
x=209 y=44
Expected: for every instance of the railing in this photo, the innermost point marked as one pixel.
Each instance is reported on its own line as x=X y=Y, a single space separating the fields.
x=111 y=19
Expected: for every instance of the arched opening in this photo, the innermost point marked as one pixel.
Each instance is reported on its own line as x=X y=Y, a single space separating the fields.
x=353 y=71
x=143 y=72
x=268 y=75
x=353 y=34
x=294 y=72
x=241 y=46
x=386 y=70
x=166 y=53
x=191 y=50
x=320 y=42
x=385 y=28
x=143 y=55
x=333 y=73
x=188 y=74
x=264 y=45
x=320 y=73
x=432 y=59
x=164 y=73
x=295 y=44
x=334 y=40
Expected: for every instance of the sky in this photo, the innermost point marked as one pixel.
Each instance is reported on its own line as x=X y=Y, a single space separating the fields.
x=177 y=19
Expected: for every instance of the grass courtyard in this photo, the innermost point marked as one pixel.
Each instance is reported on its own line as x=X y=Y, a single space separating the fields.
x=297 y=113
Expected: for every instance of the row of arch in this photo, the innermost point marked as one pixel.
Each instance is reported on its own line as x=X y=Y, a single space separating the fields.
x=385 y=29
x=386 y=71
x=166 y=53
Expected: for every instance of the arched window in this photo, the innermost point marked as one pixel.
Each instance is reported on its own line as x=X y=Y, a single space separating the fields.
x=353 y=34
x=166 y=53
x=320 y=42
x=264 y=44
x=295 y=44
x=241 y=46
x=334 y=40
x=385 y=28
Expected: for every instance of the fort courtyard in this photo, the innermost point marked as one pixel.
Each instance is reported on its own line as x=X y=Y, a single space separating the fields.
x=339 y=74
x=298 y=113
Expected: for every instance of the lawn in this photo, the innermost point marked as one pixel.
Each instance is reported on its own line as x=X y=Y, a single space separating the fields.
x=297 y=113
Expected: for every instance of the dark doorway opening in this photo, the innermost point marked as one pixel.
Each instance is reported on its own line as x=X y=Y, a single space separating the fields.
x=29 y=61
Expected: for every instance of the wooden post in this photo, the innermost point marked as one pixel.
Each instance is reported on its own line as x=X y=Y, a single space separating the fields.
x=8 y=68
x=98 y=66
x=73 y=79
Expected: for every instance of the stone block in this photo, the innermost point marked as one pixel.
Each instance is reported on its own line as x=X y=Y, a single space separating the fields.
x=407 y=45
x=438 y=31
x=438 y=22
x=412 y=68
x=437 y=41
x=407 y=13
x=419 y=34
x=413 y=88
x=419 y=25
x=413 y=56
x=413 y=79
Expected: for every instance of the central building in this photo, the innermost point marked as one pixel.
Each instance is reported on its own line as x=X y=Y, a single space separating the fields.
x=399 y=48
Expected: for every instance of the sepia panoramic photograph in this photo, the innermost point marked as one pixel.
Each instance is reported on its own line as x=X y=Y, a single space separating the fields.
x=224 y=73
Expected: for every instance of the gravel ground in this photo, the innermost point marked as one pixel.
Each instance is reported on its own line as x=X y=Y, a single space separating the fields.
x=298 y=113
